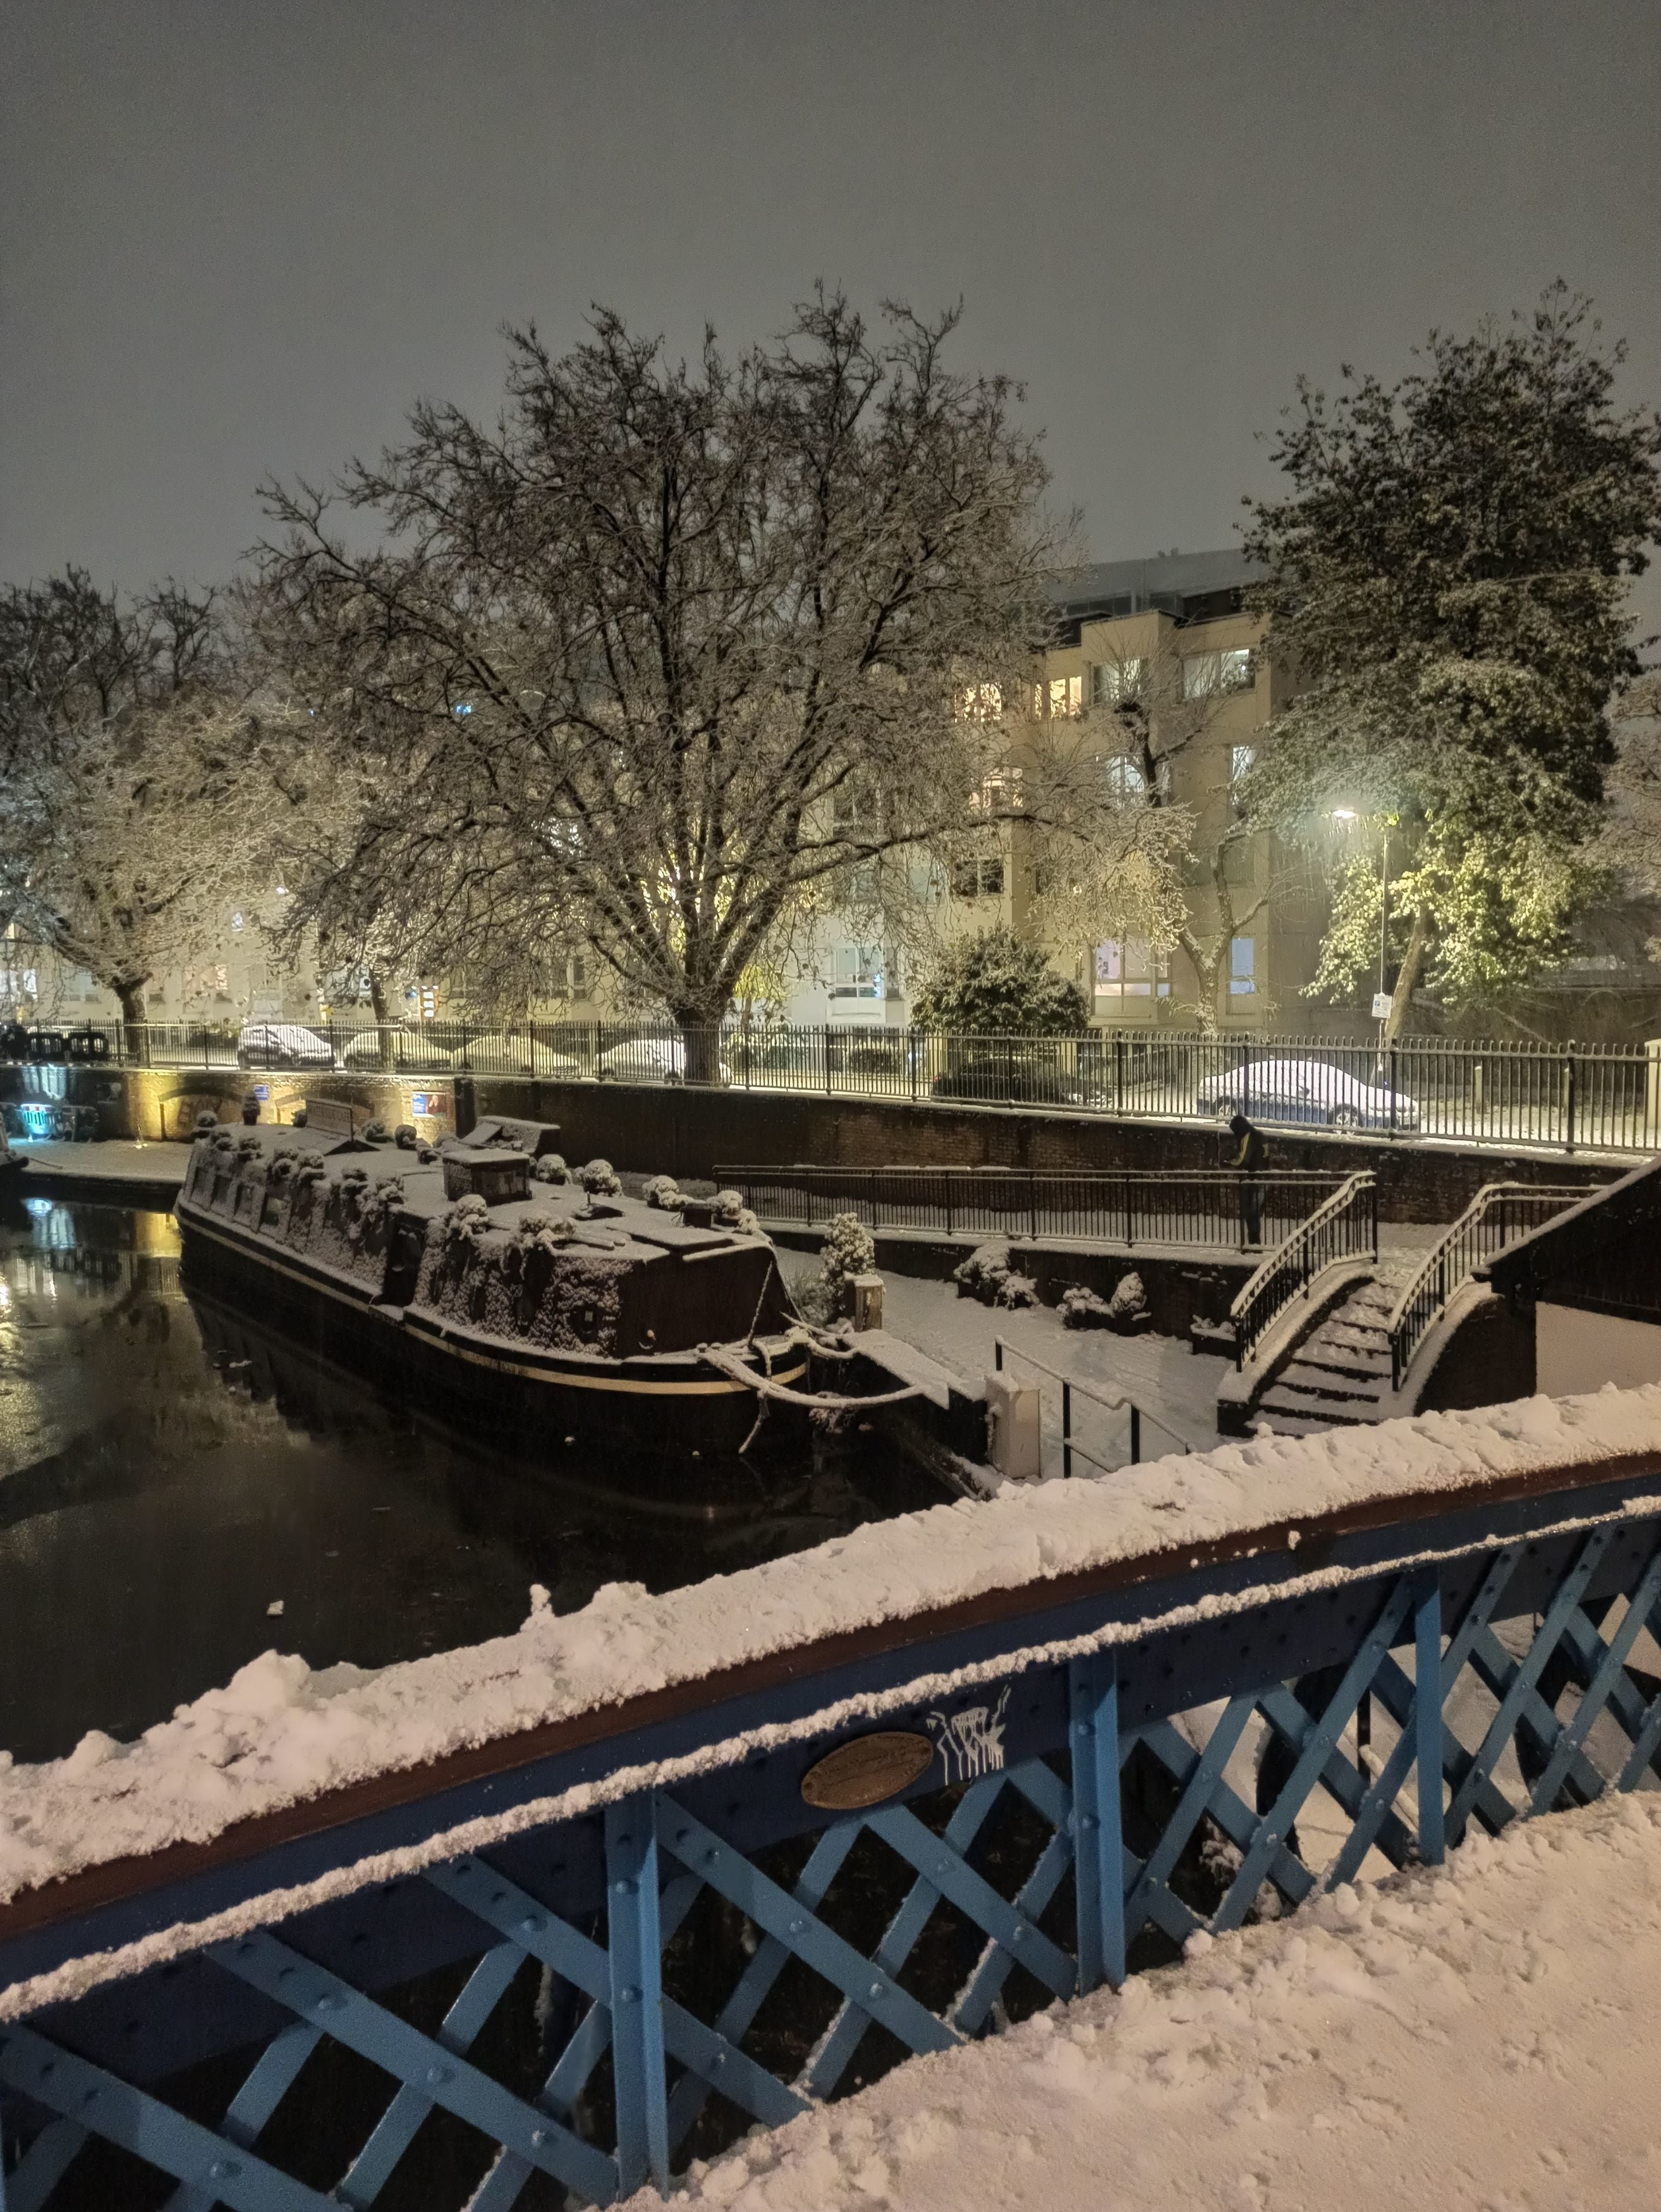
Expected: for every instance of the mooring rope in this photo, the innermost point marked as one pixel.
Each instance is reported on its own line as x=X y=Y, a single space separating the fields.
x=828 y=1401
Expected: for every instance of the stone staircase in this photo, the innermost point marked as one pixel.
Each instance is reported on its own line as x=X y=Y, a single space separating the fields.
x=1338 y=1376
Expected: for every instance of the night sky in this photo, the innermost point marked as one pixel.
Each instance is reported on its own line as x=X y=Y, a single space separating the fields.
x=241 y=239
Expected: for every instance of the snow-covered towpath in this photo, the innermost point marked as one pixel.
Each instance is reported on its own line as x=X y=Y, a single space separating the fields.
x=1483 y=2039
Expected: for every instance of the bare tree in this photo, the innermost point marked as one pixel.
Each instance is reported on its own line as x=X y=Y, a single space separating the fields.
x=671 y=659
x=121 y=835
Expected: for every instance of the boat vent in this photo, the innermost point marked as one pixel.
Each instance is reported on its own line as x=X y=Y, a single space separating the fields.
x=494 y=1175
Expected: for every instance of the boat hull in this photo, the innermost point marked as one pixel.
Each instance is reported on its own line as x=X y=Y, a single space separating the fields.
x=534 y=1399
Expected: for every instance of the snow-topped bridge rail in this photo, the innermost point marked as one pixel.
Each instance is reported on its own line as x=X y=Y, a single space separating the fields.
x=545 y=1917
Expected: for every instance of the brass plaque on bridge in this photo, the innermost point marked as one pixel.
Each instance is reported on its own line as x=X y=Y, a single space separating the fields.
x=868 y=1770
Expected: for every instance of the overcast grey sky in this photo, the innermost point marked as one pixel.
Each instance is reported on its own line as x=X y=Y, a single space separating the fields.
x=241 y=238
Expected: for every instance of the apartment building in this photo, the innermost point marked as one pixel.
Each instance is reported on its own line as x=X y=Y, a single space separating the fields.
x=1156 y=659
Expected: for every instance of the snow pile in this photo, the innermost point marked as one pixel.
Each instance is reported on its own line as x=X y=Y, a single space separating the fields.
x=1482 y=2039
x=279 y=1733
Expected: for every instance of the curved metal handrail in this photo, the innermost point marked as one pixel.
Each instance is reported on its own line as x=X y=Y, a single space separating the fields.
x=1514 y=1208
x=1331 y=1233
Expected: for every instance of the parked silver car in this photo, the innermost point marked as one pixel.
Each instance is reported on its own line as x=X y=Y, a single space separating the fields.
x=1308 y=1091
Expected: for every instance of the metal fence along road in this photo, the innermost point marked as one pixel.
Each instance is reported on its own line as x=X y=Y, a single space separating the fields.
x=1129 y=1206
x=1563 y=1097
x=479 y=1984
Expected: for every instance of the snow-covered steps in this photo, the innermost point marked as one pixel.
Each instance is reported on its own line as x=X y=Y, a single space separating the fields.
x=1340 y=1377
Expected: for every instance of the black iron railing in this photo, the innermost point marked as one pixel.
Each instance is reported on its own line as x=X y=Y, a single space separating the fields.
x=1345 y=1228
x=1499 y=1214
x=1127 y=1207
x=1113 y=1401
x=1565 y=1098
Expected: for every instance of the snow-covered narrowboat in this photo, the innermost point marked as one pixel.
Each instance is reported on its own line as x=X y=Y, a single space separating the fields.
x=542 y=1303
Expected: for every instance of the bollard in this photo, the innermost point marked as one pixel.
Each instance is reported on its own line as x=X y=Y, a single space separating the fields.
x=1015 y=1443
x=865 y=1301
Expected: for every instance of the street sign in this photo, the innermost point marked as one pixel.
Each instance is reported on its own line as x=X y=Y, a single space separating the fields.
x=262 y=1091
x=1382 y=1003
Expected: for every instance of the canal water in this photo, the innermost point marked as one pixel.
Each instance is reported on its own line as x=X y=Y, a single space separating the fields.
x=171 y=1472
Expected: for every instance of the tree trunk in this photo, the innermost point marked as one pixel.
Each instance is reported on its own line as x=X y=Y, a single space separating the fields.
x=700 y=1034
x=1205 y=966
x=134 y=1019
x=377 y=1006
x=1407 y=976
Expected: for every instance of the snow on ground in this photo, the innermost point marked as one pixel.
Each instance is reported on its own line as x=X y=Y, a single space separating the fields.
x=279 y=1733
x=1478 y=2039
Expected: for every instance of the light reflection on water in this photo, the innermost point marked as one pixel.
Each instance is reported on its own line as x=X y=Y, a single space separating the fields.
x=169 y=1469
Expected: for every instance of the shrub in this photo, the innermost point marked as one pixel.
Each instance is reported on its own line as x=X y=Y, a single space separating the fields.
x=662 y=1190
x=991 y=985
x=599 y=1179
x=849 y=1249
x=550 y=1168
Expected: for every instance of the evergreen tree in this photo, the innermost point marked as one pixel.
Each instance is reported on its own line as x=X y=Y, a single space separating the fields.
x=1446 y=577
x=991 y=985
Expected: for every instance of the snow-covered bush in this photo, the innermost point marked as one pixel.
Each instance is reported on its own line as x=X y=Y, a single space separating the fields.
x=206 y=1123
x=387 y=1194
x=248 y=1148
x=992 y=985
x=730 y=1211
x=310 y=1170
x=550 y=1168
x=533 y=1233
x=1126 y=1310
x=986 y=1274
x=662 y=1190
x=1082 y=1309
x=406 y=1136
x=849 y=1249
x=464 y=1224
x=599 y=1179
x=282 y=1164
x=376 y=1133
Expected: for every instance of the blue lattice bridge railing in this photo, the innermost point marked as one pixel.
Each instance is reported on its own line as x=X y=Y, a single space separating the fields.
x=1080 y=1773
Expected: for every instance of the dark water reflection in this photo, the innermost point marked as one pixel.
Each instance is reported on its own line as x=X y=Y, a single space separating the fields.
x=169 y=1469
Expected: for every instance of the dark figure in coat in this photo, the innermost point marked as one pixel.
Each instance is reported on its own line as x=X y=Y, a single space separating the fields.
x=1249 y=1156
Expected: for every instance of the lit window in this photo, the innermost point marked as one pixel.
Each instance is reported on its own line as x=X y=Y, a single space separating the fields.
x=858 y=972
x=1112 y=683
x=1066 y=694
x=980 y=702
x=1128 y=967
x=1241 y=967
x=1124 y=780
x=1207 y=674
x=1242 y=759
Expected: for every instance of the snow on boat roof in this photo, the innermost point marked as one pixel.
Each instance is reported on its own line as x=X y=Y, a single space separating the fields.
x=280 y=1732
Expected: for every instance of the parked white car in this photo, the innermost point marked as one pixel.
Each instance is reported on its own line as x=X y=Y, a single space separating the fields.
x=400 y=1046
x=648 y=1059
x=1308 y=1091
x=282 y=1044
